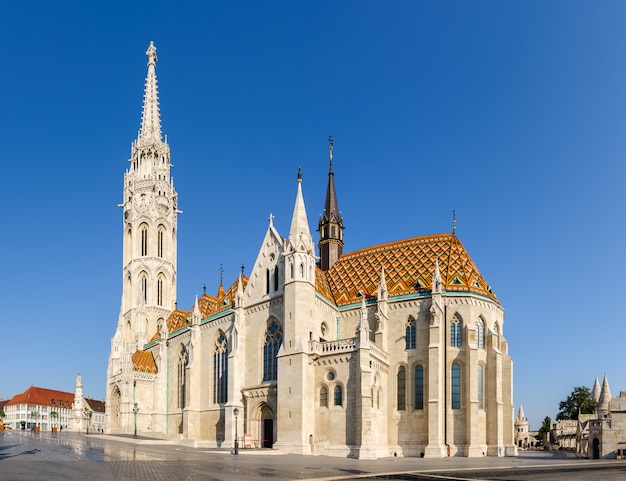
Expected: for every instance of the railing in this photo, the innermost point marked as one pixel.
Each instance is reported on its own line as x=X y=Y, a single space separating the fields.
x=379 y=353
x=332 y=347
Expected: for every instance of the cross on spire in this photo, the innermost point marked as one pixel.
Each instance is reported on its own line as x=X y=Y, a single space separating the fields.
x=454 y=222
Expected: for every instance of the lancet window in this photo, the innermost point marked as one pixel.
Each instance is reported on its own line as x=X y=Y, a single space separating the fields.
x=273 y=340
x=409 y=337
x=220 y=369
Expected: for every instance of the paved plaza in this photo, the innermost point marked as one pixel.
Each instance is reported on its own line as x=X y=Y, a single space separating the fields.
x=25 y=455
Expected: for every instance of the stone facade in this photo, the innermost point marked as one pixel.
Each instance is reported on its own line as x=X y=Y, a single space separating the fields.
x=603 y=435
x=524 y=439
x=397 y=349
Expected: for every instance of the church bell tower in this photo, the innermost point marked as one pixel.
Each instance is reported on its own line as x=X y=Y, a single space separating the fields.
x=150 y=213
x=150 y=210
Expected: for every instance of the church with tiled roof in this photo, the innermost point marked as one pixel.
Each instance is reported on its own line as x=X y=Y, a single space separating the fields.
x=393 y=350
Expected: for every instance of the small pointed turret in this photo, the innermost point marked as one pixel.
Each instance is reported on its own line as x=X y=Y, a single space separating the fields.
x=151 y=118
x=331 y=222
x=595 y=392
x=520 y=415
x=605 y=398
x=299 y=233
x=239 y=296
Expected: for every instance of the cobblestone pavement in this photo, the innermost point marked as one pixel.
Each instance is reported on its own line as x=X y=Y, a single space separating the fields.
x=70 y=456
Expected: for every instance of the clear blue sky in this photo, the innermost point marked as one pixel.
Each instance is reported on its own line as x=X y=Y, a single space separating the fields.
x=511 y=113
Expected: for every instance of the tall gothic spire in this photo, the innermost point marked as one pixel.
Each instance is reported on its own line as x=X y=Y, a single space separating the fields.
x=151 y=118
x=331 y=222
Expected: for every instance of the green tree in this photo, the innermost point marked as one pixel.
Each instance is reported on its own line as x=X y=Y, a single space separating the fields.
x=54 y=416
x=546 y=427
x=579 y=401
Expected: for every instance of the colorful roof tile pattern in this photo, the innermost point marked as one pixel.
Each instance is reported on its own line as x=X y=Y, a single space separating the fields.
x=143 y=361
x=177 y=320
x=409 y=265
x=208 y=306
x=321 y=284
x=39 y=396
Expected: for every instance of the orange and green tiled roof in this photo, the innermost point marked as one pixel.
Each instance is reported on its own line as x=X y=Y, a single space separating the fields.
x=409 y=265
x=208 y=305
x=143 y=361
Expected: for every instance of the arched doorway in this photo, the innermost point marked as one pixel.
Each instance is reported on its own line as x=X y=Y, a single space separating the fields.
x=596 y=448
x=115 y=409
x=263 y=425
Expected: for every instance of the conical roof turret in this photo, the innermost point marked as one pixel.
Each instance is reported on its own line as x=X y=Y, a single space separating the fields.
x=595 y=392
x=605 y=397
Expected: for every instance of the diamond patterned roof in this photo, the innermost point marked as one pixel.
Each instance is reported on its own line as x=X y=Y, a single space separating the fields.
x=208 y=306
x=409 y=265
x=143 y=361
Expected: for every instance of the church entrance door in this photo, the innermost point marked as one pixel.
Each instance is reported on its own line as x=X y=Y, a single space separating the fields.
x=268 y=433
x=596 y=448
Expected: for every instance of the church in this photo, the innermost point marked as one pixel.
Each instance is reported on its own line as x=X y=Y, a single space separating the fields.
x=393 y=350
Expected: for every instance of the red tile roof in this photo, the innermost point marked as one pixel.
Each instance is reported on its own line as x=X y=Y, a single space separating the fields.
x=40 y=396
x=95 y=405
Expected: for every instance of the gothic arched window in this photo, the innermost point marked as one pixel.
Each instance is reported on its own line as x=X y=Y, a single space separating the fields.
x=409 y=337
x=481 y=386
x=273 y=340
x=160 y=241
x=324 y=396
x=455 y=331
x=160 y=282
x=480 y=334
x=419 y=387
x=456 y=386
x=143 y=283
x=144 y=239
x=401 y=388
x=220 y=369
x=338 y=394
x=276 y=278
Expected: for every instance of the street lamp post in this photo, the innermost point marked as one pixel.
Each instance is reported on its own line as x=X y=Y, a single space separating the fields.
x=135 y=409
x=87 y=418
x=236 y=413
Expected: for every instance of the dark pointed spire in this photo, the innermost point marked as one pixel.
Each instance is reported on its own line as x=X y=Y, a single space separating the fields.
x=331 y=222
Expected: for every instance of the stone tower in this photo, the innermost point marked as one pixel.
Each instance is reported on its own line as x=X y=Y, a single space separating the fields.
x=331 y=223
x=150 y=210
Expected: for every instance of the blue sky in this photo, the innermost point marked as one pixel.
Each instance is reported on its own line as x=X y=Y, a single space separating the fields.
x=511 y=113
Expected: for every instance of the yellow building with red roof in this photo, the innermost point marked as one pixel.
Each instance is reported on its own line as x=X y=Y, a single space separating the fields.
x=393 y=350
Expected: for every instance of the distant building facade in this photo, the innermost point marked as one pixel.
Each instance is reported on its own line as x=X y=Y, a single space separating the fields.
x=397 y=349
x=524 y=439
x=604 y=435
x=50 y=410
x=39 y=407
